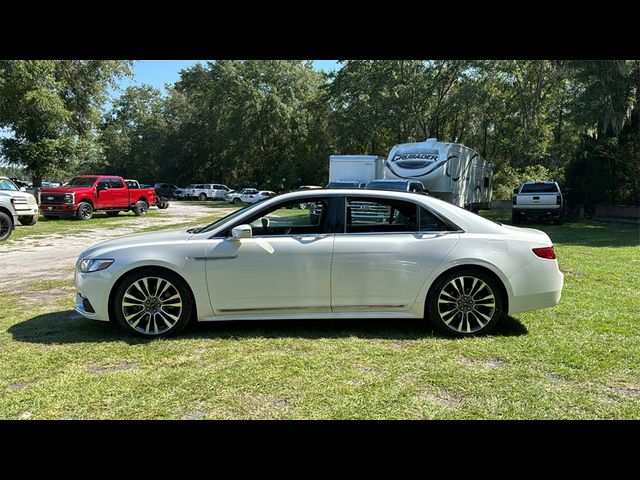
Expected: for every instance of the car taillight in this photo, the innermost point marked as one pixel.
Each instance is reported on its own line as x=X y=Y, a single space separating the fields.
x=545 y=252
x=558 y=200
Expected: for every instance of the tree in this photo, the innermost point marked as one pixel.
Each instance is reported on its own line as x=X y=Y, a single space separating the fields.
x=133 y=135
x=51 y=107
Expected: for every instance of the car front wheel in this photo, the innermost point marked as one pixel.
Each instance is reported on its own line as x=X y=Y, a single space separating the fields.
x=153 y=303
x=465 y=303
x=6 y=226
x=85 y=211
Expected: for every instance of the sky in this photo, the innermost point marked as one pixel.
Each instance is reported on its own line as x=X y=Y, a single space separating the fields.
x=160 y=72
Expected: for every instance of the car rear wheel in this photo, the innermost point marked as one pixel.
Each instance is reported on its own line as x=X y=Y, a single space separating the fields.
x=153 y=303
x=465 y=303
x=28 y=219
x=85 y=211
x=237 y=200
x=202 y=197
x=5 y=226
x=163 y=205
x=141 y=208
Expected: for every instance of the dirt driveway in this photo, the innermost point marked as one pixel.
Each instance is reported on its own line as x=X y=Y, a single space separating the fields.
x=54 y=256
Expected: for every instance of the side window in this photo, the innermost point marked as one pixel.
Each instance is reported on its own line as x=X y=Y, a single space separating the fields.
x=365 y=215
x=117 y=183
x=289 y=219
x=104 y=184
x=430 y=223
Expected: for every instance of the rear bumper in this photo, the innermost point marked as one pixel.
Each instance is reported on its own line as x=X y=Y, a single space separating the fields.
x=538 y=285
x=545 y=212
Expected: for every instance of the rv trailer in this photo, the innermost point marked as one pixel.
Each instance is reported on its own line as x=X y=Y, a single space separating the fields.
x=449 y=171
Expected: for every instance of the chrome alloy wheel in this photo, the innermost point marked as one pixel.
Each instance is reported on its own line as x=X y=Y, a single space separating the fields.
x=152 y=305
x=466 y=304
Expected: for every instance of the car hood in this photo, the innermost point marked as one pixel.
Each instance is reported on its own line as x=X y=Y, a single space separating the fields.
x=66 y=190
x=15 y=194
x=137 y=240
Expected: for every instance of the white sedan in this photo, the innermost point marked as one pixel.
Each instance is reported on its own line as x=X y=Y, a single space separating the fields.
x=355 y=254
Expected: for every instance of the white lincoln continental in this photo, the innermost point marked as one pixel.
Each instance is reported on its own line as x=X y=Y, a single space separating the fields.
x=347 y=254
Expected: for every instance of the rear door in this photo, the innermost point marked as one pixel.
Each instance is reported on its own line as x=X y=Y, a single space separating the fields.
x=387 y=250
x=119 y=193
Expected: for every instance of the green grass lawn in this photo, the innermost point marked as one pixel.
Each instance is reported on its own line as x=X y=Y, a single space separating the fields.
x=580 y=359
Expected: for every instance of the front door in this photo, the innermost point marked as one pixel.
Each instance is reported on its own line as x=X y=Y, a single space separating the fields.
x=387 y=251
x=284 y=268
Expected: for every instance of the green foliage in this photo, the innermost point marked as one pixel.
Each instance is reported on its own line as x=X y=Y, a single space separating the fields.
x=507 y=178
x=50 y=107
x=273 y=124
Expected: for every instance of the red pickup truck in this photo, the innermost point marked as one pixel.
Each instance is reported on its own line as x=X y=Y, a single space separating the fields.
x=85 y=194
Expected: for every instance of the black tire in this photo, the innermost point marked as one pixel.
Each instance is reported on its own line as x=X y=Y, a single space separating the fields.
x=202 y=197
x=6 y=226
x=113 y=214
x=163 y=205
x=137 y=324
x=237 y=200
x=85 y=211
x=465 y=316
x=28 y=220
x=141 y=208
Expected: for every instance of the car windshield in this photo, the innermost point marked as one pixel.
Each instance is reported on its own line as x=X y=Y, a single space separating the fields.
x=222 y=220
x=539 y=188
x=82 y=182
x=401 y=186
x=7 y=185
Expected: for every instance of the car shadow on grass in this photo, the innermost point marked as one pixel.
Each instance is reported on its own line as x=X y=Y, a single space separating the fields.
x=68 y=327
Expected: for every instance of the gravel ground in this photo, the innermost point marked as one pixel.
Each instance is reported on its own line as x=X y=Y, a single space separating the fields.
x=54 y=257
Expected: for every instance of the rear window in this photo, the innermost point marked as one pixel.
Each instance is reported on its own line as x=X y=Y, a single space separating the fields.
x=117 y=183
x=539 y=188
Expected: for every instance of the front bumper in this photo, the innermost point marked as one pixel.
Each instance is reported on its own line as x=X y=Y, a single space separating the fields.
x=28 y=212
x=93 y=294
x=61 y=209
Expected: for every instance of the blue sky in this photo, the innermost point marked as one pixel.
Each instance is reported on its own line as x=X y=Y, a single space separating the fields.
x=160 y=72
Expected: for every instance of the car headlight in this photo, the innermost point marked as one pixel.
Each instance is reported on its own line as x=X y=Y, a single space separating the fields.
x=93 y=265
x=31 y=200
x=69 y=197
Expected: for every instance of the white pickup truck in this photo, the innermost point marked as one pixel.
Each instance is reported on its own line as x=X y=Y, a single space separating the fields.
x=537 y=201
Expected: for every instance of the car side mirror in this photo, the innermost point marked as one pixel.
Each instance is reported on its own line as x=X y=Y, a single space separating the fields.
x=241 y=231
